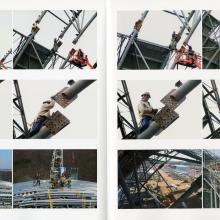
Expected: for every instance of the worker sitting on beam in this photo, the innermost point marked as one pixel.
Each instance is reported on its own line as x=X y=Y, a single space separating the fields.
x=146 y=111
x=79 y=59
x=42 y=117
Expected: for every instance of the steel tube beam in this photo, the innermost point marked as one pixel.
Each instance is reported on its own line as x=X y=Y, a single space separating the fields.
x=184 y=89
x=178 y=95
x=215 y=89
x=84 y=28
x=30 y=38
x=130 y=41
x=192 y=31
x=181 y=33
x=71 y=92
x=76 y=88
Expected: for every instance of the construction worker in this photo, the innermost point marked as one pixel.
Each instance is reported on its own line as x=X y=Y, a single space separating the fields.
x=42 y=116
x=191 y=54
x=138 y=25
x=37 y=180
x=146 y=111
x=174 y=40
x=56 y=44
x=78 y=58
x=62 y=180
x=35 y=28
x=69 y=181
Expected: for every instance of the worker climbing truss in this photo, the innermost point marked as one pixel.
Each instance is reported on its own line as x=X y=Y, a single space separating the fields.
x=159 y=179
x=55 y=168
x=29 y=54
x=127 y=124
x=56 y=122
x=211 y=40
x=211 y=106
x=211 y=179
x=135 y=53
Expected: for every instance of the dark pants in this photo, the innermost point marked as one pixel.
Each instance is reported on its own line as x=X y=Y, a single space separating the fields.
x=145 y=122
x=37 y=125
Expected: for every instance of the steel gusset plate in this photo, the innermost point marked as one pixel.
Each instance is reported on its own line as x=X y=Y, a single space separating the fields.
x=165 y=117
x=56 y=122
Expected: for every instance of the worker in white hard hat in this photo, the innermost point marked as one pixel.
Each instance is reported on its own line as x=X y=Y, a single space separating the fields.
x=42 y=116
x=146 y=111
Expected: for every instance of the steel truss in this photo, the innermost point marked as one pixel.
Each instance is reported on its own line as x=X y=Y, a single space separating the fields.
x=5 y=195
x=164 y=118
x=50 y=58
x=211 y=180
x=20 y=129
x=137 y=169
x=210 y=119
x=126 y=42
x=56 y=164
x=6 y=61
x=211 y=41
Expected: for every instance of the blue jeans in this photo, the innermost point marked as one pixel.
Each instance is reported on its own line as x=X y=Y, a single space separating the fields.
x=145 y=122
x=37 y=125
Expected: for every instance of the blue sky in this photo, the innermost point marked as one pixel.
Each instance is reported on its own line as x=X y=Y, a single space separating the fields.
x=5 y=159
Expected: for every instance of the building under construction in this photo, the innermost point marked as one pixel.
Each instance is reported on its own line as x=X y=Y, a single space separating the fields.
x=6 y=40
x=211 y=179
x=211 y=107
x=69 y=43
x=55 y=179
x=211 y=39
x=5 y=179
x=177 y=48
x=159 y=179
x=130 y=128
x=28 y=124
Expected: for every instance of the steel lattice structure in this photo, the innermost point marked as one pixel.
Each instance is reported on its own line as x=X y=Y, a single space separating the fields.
x=211 y=180
x=134 y=53
x=211 y=117
x=211 y=41
x=138 y=168
x=6 y=60
x=129 y=128
x=28 y=54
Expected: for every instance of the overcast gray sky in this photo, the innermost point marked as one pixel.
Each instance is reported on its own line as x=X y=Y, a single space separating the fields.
x=50 y=28
x=6 y=32
x=158 y=27
x=82 y=113
x=6 y=110
x=188 y=125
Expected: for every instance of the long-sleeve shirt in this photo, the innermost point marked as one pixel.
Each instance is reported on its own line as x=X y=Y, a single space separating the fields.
x=45 y=108
x=145 y=109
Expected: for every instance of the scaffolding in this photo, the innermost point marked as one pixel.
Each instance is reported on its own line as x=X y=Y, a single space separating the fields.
x=28 y=54
x=135 y=53
x=141 y=173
